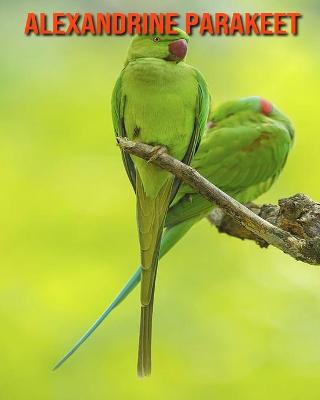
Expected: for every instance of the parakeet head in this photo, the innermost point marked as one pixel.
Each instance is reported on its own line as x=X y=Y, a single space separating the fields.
x=273 y=112
x=254 y=104
x=165 y=47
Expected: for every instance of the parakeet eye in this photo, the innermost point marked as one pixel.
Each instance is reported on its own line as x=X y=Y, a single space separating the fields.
x=156 y=39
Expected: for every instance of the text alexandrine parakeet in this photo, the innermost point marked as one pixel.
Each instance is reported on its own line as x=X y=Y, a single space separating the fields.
x=243 y=152
x=159 y=100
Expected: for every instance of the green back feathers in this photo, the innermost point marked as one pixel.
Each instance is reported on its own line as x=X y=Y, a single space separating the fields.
x=242 y=152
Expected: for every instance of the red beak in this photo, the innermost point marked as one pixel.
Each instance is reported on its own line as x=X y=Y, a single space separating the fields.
x=265 y=107
x=178 y=50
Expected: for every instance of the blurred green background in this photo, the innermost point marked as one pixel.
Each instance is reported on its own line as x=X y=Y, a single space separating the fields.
x=232 y=321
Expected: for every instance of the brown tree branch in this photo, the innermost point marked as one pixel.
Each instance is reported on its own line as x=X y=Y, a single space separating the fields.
x=303 y=245
x=298 y=215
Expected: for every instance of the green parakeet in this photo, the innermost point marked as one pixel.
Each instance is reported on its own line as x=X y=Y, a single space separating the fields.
x=243 y=151
x=159 y=100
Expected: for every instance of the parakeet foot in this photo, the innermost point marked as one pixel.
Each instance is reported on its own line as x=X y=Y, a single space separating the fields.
x=157 y=152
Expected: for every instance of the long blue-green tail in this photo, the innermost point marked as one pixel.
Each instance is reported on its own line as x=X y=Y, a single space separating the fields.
x=170 y=237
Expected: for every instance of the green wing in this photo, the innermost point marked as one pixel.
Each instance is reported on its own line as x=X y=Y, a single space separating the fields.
x=201 y=117
x=118 y=102
x=243 y=161
x=200 y=122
